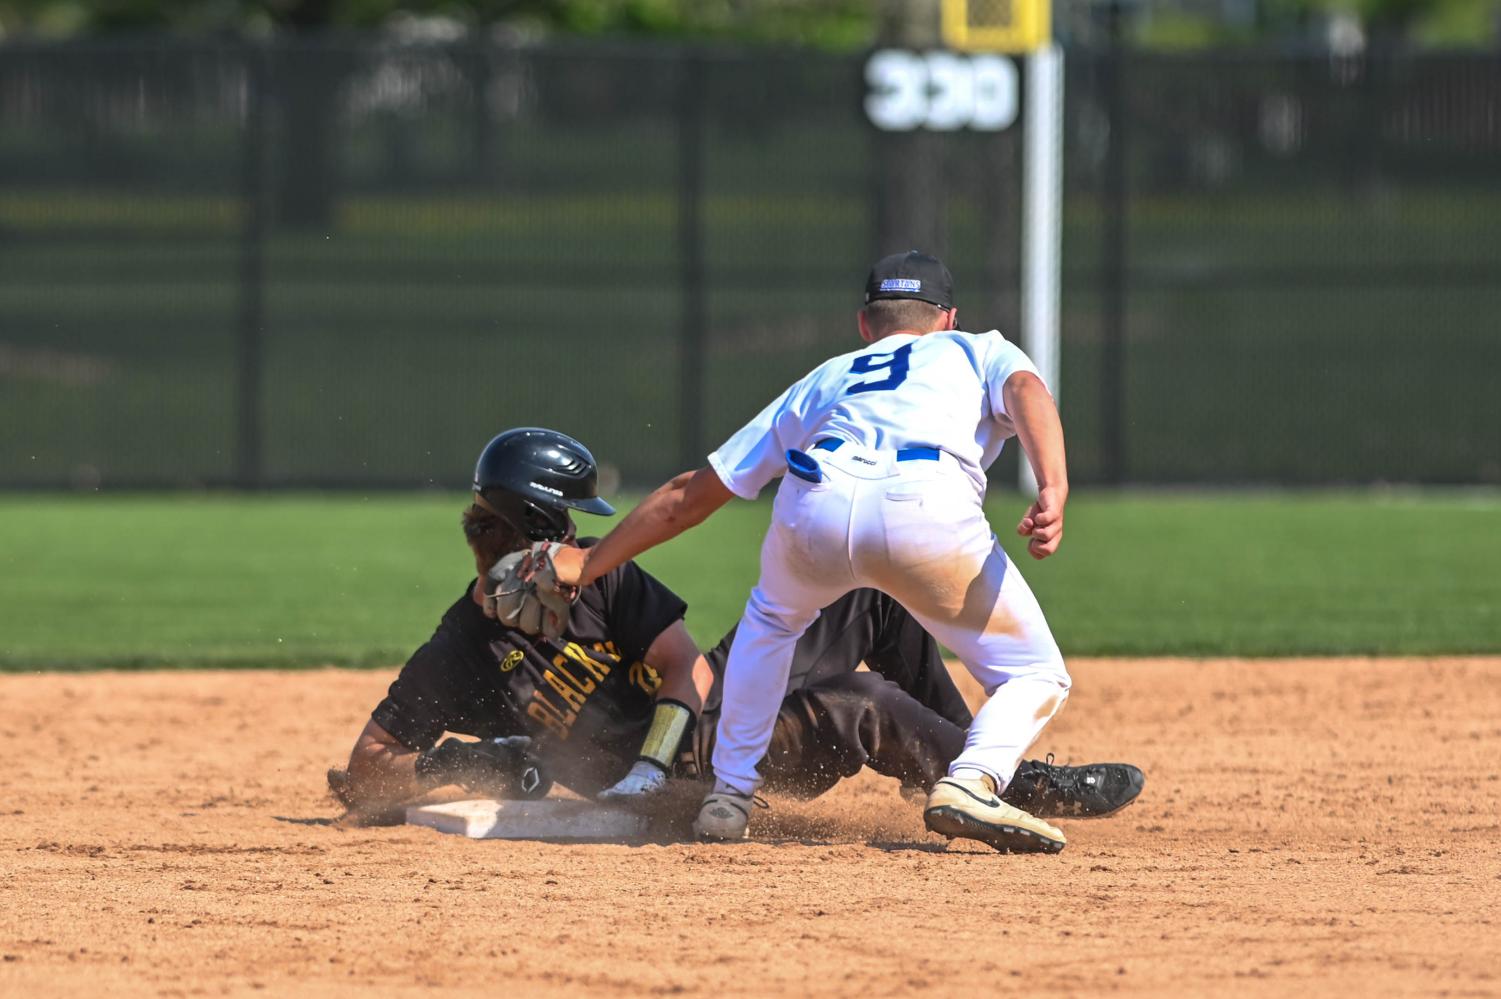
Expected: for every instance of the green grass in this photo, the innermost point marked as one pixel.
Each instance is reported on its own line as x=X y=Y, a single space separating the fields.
x=128 y=581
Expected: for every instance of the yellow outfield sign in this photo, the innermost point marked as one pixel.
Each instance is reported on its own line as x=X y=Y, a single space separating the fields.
x=1013 y=26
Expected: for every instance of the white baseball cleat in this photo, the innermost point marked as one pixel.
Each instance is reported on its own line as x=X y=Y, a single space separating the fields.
x=970 y=808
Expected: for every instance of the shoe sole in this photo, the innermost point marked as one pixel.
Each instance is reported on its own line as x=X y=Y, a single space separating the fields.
x=949 y=821
x=706 y=837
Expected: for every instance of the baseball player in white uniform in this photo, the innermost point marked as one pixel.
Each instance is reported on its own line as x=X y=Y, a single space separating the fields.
x=882 y=455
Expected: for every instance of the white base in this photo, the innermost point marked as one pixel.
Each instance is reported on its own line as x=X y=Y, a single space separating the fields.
x=548 y=818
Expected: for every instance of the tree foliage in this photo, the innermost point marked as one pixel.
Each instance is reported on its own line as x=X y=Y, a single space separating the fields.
x=834 y=23
x=823 y=23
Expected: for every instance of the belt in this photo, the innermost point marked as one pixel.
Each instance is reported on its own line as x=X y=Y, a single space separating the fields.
x=921 y=453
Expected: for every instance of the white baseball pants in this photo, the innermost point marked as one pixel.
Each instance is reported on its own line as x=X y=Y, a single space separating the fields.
x=915 y=530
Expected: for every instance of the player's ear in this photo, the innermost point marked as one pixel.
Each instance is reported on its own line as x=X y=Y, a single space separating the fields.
x=864 y=326
x=953 y=319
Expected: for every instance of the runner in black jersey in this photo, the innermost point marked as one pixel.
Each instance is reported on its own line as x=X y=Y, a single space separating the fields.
x=587 y=700
x=592 y=702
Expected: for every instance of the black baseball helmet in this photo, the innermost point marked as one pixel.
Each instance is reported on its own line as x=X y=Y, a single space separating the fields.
x=532 y=477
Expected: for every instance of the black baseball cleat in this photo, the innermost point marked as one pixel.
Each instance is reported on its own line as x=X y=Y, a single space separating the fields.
x=1088 y=792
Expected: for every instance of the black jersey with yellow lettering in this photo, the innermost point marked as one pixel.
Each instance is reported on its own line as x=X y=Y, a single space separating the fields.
x=585 y=699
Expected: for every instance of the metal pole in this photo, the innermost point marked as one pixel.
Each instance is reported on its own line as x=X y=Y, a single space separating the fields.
x=250 y=324
x=694 y=323
x=1042 y=221
x=1113 y=270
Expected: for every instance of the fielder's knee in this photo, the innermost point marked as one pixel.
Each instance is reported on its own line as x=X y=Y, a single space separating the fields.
x=1060 y=673
x=1050 y=666
x=1045 y=668
x=1056 y=673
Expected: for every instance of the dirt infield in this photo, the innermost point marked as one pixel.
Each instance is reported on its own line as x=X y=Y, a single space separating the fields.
x=1323 y=825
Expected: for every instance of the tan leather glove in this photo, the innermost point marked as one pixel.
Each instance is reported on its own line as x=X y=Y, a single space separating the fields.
x=527 y=595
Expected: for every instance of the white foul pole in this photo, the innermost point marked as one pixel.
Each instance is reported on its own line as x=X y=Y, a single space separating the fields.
x=1042 y=220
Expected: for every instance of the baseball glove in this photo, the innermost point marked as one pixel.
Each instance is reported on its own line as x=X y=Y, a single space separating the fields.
x=527 y=595
x=504 y=767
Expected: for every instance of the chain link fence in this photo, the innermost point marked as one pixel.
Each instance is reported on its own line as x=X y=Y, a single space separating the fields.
x=348 y=263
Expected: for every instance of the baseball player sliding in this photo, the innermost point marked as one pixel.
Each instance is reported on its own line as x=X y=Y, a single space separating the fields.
x=882 y=455
x=614 y=696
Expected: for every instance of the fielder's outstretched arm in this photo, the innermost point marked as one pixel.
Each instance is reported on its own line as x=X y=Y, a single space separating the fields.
x=682 y=502
x=1035 y=416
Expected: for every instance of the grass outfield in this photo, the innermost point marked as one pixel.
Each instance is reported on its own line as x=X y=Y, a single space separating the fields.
x=121 y=581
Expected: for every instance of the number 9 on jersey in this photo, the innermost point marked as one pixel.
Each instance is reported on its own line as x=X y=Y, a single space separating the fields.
x=895 y=364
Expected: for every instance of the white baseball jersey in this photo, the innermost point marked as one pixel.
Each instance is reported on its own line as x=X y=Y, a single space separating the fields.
x=938 y=390
x=905 y=527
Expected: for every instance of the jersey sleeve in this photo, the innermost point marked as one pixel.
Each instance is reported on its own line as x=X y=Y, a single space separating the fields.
x=638 y=608
x=754 y=455
x=1002 y=359
x=432 y=693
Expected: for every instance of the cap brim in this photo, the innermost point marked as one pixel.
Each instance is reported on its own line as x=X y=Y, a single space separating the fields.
x=593 y=505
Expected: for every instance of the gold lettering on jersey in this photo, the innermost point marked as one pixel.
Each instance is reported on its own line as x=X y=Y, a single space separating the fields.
x=645 y=677
x=563 y=717
x=596 y=669
x=585 y=687
x=549 y=717
x=570 y=696
x=573 y=686
x=512 y=660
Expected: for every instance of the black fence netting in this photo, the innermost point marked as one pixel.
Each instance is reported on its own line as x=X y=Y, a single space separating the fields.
x=1305 y=279
x=350 y=263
